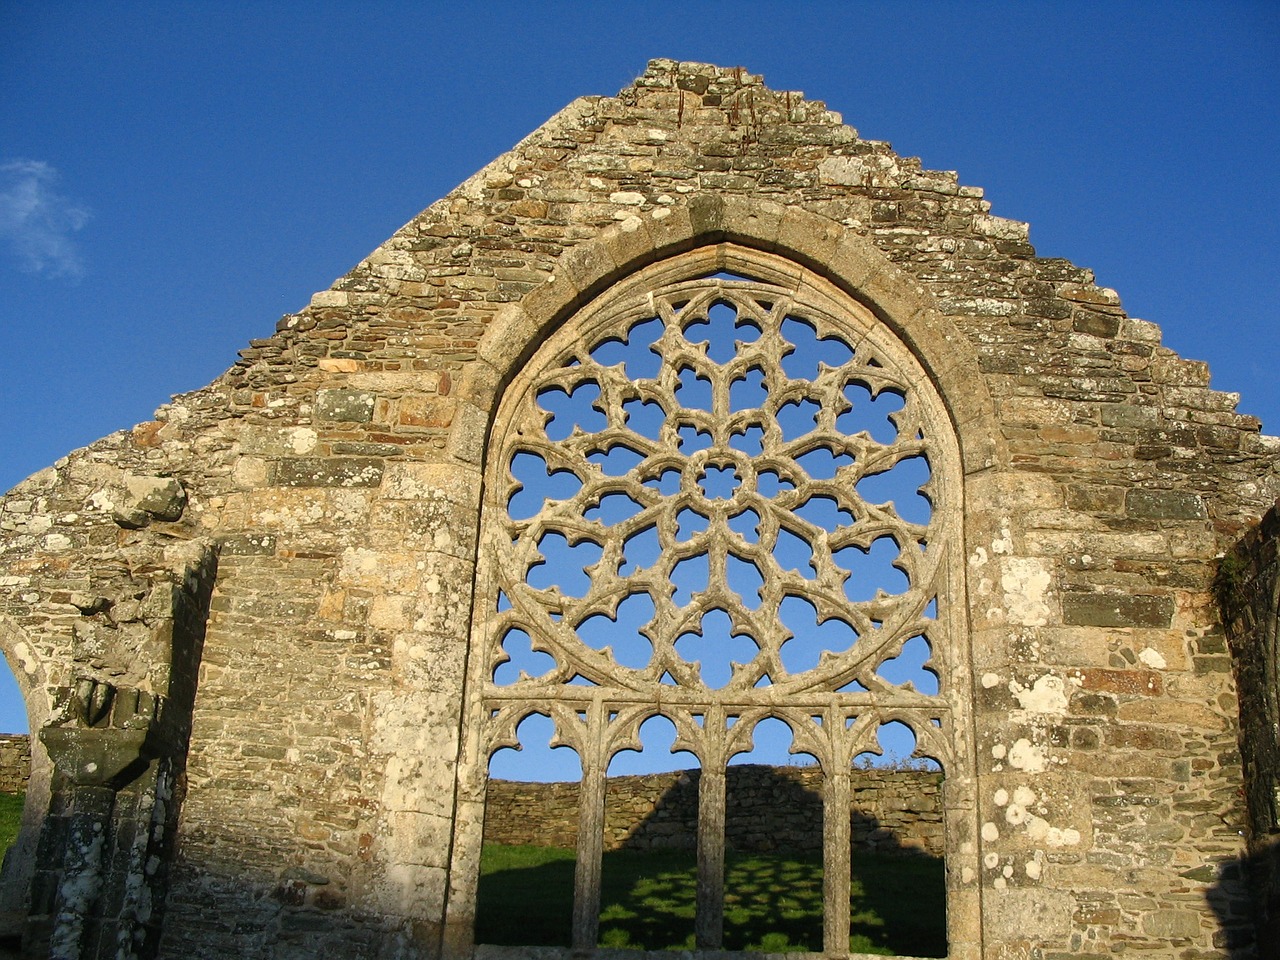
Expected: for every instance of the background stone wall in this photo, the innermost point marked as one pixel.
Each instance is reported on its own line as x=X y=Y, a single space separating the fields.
x=767 y=809
x=1249 y=593
x=15 y=762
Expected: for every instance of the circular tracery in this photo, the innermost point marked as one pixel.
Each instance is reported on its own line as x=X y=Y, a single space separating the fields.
x=719 y=490
x=726 y=502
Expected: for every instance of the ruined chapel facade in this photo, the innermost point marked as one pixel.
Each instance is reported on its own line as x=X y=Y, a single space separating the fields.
x=696 y=350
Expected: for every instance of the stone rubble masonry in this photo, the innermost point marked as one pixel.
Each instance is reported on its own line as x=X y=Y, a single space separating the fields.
x=1249 y=592
x=328 y=485
x=770 y=809
x=15 y=762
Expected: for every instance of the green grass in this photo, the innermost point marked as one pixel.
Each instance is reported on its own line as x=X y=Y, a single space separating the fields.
x=772 y=903
x=10 y=819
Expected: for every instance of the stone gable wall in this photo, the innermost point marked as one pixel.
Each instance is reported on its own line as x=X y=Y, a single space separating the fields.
x=334 y=474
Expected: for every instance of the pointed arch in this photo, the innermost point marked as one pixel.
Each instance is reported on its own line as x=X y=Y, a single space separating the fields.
x=732 y=229
x=602 y=291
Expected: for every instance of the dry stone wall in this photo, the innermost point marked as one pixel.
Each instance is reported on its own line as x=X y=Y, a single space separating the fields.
x=770 y=809
x=288 y=555
x=15 y=762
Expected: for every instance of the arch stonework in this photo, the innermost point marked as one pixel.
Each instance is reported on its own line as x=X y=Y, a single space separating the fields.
x=29 y=671
x=517 y=331
x=830 y=249
x=289 y=555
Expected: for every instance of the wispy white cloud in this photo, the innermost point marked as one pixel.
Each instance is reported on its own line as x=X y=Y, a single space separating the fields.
x=37 y=222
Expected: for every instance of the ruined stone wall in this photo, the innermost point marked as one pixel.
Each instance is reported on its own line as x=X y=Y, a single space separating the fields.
x=770 y=809
x=15 y=762
x=1249 y=592
x=335 y=473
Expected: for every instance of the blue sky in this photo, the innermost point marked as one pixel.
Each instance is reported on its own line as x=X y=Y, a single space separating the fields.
x=175 y=176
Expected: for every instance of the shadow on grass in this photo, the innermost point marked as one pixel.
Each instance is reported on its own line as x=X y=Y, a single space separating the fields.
x=772 y=903
x=525 y=897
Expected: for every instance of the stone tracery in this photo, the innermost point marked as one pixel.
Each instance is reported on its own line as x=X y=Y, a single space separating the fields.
x=720 y=499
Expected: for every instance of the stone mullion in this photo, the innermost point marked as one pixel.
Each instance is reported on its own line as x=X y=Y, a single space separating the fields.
x=836 y=866
x=709 y=923
x=591 y=795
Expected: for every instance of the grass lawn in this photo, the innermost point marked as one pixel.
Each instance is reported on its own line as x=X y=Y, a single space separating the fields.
x=772 y=903
x=10 y=819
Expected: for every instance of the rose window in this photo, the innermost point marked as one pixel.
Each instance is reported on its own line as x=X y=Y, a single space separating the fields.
x=722 y=449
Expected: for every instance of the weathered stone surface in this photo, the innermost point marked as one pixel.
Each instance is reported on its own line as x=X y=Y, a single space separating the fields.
x=1164 y=505
x=328 y=472
x=248 y=545
x=1040 y=913
x=352 y=406
x=1112 y=610
x=1172 y=924
x=144 y=499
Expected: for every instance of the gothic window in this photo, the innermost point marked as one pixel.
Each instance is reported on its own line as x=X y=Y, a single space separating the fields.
x=723 y=492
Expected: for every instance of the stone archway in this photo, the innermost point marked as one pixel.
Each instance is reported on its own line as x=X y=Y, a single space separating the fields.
x=29 y=671
x=835 y=705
